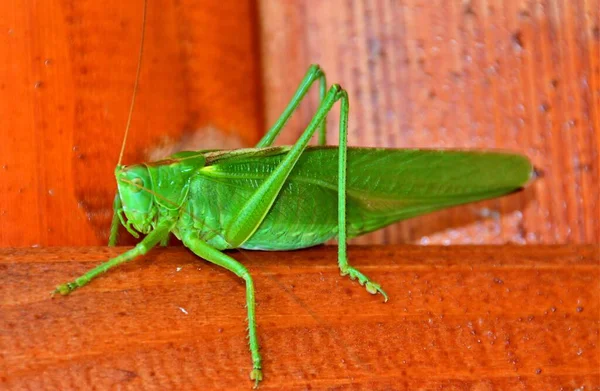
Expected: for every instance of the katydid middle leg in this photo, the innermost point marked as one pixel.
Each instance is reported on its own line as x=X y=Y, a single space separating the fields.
x=204 y=250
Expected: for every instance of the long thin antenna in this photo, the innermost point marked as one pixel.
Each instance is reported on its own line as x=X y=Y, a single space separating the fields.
x=135 y=86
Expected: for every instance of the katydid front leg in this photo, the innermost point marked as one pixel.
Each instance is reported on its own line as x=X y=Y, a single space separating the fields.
x=251 y=215
x=115 y=223
x=151 y=240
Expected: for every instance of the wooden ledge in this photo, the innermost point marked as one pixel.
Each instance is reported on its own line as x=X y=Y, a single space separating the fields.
x=462 y=318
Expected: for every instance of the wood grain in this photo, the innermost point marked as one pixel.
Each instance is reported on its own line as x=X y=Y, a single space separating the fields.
x=65 y=86
x=459 y=318
x=519 y=75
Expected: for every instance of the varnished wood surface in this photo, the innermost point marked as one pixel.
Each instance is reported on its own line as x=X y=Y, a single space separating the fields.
x=459 y=318
x=517 y=75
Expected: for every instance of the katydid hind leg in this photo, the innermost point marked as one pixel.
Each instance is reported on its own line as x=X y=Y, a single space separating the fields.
x=151 y=240
x=250 y=216
x=313 y=74
x=211 y=254
x=245 y=222
x=345 y=267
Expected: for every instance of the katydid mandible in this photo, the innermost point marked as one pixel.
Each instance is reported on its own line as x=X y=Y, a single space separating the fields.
x=345 y=192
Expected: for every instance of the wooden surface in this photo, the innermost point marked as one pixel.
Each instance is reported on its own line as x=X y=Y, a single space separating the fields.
x=459 y=318
x=521 y=75
x=511 y=74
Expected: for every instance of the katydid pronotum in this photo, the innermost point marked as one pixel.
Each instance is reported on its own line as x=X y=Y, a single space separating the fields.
x=345 y=192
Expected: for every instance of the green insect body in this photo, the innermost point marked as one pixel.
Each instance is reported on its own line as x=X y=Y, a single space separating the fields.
x=282 y=198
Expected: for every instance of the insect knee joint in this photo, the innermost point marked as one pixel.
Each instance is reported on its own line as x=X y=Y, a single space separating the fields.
x=315 y=68
x=245 y=275
x=143 y=249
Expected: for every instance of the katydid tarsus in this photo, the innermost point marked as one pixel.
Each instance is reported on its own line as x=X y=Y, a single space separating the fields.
x=345 y=192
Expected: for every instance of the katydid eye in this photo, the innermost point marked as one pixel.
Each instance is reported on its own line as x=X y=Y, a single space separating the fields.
x=138 y=184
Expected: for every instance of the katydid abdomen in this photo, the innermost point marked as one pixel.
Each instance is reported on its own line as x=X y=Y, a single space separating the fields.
x=384 y=186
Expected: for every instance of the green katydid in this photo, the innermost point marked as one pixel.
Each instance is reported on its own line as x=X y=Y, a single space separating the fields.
x=214 y=200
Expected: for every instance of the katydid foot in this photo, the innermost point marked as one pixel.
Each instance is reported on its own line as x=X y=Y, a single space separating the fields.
x=257 y=376
x=372 y=287
x=68 y=287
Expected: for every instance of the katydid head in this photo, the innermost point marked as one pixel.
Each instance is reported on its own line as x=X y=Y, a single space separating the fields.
x=135 y=191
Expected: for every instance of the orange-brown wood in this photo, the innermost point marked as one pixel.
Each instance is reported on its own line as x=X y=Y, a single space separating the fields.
x=66 y=82
x=519 y=75
x=512 y=74
x=459 y=318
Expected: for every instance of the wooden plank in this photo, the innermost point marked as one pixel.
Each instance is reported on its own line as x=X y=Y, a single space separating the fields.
x=66 y=83
x=459 y=318
x=518 y=75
